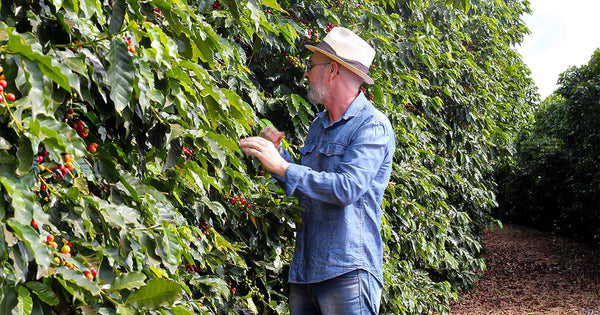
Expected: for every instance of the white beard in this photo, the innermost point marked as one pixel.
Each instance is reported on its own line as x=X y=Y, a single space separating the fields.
x=316 y=93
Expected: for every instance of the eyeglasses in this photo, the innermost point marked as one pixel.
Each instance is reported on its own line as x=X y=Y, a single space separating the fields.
x=312 y=65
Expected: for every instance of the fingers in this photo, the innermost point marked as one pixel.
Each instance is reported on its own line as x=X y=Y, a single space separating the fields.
x=266 y=153
x=254 y=145
x=278 y=137
x=272 y=134
x=268 y=132
x=251 y=151
x=250 y=142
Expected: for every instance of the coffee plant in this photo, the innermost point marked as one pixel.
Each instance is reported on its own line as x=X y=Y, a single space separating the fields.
x=123 y=186
x=557 y=160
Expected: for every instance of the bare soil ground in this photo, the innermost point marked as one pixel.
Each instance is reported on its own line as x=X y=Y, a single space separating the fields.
x=531 y=272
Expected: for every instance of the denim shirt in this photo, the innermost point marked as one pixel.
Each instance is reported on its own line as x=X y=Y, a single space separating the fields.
x=340 y=179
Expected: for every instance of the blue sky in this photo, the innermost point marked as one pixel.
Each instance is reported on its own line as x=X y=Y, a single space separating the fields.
x=563 y=34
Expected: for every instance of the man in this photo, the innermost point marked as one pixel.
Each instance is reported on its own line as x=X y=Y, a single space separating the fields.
x=340 y=179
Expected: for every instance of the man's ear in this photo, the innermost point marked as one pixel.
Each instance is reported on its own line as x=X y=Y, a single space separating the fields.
x=335 y=68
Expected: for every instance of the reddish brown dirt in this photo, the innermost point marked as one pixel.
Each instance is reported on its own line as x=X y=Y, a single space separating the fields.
x=530 y=272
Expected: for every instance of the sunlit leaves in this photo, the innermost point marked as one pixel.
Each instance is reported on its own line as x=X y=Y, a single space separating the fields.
x=26 y=46
x=170 y=248
x=77 y=279
x=131 y=280
x=166 y=117
x=56 y=136
x=558 y=160
x=452 y=129
x=39 y=88
x=156 y=293
x=31 y=238
x=25 y=305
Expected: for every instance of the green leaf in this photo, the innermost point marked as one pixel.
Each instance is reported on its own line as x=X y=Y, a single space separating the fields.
x=173 y=155
x=216 y=207
x=156 y=293
x=111 y=215
x=27 y=46
x=128 y=281
x=117 y=16
x=273 y=4
x=25 y=156
x=33 y=241
x=38 y=89
x=207 y=42
x=43 y=292
x=8 y=300
x=82 y=185
x=213 y=282
x=180 y=310
x=300 y=108
x=144 y=87
x=4 y=144
x=118 y=215
x=466 y=5
x=18 y=201
x=439 y=160
x=129 y=214
x=171 y=245
x=8 y=165
x=78 y=279
x=120 y=74
x=3 y=241
x=52 y=133
x=220 y=145
x=132 y=184
x=90 y=8
x=25 y=305
x=238 y=109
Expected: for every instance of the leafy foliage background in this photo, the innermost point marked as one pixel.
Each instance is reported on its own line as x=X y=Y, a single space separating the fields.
x=171 y=213
x=558 y=161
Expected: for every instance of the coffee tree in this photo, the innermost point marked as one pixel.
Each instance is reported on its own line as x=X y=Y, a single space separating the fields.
x=557 y=160
x=455 y=76
x=123 y=186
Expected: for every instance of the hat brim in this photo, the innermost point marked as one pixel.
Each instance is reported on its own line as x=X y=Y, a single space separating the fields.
x=356 y=71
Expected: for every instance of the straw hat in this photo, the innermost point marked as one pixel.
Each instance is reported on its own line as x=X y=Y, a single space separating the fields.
x=348 y=49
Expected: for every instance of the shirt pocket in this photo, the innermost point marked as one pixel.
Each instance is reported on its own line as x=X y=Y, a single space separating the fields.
x=330 y=156
x=306 y=153
x=306 y=149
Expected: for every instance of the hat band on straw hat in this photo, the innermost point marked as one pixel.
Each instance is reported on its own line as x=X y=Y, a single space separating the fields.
x=328 y=49
x=349 y=50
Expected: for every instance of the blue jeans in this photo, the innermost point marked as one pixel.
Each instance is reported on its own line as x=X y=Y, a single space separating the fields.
x=356 y=292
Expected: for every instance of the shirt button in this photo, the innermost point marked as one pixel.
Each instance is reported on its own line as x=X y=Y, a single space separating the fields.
x=317 y=156
x=329 y=151
x=324 y=133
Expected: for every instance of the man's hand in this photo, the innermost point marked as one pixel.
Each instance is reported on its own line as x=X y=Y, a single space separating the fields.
x=266 y=152
x=272 y=134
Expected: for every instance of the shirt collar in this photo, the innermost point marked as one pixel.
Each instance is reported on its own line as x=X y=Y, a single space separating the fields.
x=352 y=110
